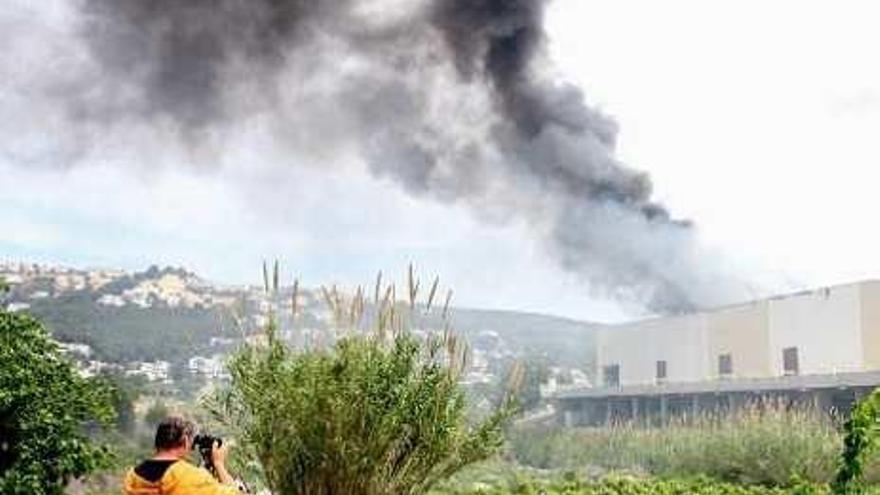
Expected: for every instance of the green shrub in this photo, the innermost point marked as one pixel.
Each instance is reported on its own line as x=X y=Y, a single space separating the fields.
x=860 y=441
x=45 y=407
x=376 y=412
x=155 y=414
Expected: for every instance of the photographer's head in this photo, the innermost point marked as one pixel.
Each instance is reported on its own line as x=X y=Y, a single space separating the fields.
x=174 y=436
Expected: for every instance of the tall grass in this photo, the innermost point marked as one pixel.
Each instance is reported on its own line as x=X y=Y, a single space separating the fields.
x=768 y=445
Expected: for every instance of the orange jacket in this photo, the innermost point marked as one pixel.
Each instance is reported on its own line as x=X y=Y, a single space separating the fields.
x=180 y=478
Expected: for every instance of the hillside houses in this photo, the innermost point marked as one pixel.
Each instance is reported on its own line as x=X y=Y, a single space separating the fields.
x=169 y=287
x=167 y=323
x=156 y=371
x=57 y=279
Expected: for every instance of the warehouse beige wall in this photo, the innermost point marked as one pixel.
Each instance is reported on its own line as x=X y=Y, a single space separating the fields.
x=743 y=332
x=636 y=347
x=835 y=330
x=871 y=324
x=825 y=326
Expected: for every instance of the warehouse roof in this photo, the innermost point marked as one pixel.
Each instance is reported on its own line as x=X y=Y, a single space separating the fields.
x=782 y=383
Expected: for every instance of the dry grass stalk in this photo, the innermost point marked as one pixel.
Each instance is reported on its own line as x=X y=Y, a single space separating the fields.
x=378 y=288
x=446 y=304
x=294 y=299
x=431 y=295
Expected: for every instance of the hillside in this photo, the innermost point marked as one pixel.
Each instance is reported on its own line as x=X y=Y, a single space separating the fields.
x=563 y=341
x=172 y=315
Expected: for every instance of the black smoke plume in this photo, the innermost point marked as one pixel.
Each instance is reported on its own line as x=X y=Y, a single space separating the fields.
x=450 y=99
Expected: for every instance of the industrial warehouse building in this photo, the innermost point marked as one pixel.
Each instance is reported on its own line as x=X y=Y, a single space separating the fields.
x=819 y=348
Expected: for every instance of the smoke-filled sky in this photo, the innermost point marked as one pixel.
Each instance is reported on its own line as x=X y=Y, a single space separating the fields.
x=589 y=159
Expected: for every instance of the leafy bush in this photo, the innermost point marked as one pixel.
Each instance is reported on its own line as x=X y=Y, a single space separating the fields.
x=860 y=441
x=155 y=414
x=44 y=407
x=378 y=411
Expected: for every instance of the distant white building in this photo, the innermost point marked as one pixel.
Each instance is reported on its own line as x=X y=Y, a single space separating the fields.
x=111 y=300
x=82 y=350
x=579 y=378
x=222 y=341
x=573 y=378
x=208 y=366
x=92 y=368
x=17 y=306
x=153 y=371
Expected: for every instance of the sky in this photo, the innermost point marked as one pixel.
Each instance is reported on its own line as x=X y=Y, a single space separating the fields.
x=756 y=120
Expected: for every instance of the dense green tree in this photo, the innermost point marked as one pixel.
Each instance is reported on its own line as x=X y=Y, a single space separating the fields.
x=45 y=409
x=155 y=414
x=124 y=391
x=536 y=371
x=861 y=437
x=4 y=292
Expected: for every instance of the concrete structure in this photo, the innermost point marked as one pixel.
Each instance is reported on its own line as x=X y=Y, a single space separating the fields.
x=818 y=347
x=634 y=351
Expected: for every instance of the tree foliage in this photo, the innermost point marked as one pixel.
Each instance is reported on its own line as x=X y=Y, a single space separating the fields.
x=124 y=392
x=535 y=371
x=45 y=407
x=860 y=441
x=155 y=414
x=379 y=411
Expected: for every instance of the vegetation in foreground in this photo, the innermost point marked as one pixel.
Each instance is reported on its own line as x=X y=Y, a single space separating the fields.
x=499 y=478
x=632 y=486
x=767 y=444
x=354 y=397
x=767 y=450
x=44 y=407
x=525 y=484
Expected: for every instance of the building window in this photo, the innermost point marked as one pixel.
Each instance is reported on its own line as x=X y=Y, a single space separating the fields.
x=790 y=361
x=725 y=364
x=611 y=375
x=661 y=371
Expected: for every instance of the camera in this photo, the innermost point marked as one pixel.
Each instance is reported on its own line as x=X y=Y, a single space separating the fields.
x=205 y=444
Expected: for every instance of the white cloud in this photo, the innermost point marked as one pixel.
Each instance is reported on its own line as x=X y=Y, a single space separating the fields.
x=735 y=109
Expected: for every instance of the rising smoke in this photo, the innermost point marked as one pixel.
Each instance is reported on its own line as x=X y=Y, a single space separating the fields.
x=450 y=99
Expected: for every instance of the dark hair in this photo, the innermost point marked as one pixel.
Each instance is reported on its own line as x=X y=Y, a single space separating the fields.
x=172 y=431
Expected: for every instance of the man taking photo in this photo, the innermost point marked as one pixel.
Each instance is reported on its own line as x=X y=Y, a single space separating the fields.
x=169 y=473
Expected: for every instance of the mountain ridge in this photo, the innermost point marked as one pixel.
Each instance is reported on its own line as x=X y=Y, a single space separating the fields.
x=171 y=314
